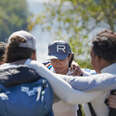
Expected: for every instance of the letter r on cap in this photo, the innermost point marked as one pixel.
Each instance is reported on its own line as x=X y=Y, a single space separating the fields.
x=61 y=48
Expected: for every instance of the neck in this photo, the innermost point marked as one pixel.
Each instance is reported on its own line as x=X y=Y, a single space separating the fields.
x=61 y=71
x=104 y=64
x=19 y=62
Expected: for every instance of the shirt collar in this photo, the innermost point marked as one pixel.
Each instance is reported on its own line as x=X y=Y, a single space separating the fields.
x=110 y=69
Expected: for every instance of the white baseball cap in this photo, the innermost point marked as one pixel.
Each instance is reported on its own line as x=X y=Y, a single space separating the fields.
x=29 y=39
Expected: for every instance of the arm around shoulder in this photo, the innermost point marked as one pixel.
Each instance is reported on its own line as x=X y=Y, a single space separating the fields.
x=64 y=90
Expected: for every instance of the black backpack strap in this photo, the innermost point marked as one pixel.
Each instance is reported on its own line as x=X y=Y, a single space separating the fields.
x=79 y=111
x=17 y=75
x=92 y=111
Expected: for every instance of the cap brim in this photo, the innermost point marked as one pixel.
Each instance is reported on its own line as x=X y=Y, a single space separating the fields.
x=52 y=57
x=57 y=57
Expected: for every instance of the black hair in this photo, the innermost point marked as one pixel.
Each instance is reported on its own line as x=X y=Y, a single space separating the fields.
x=2 y=50
x=104 y=46
x=72 y=58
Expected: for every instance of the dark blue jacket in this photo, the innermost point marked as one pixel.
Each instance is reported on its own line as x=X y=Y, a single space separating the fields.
x=26 y=99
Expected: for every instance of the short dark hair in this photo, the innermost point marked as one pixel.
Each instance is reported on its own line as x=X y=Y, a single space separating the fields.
x=71 y=60
x=104 y=45
x=2 y=50
x=14 y=53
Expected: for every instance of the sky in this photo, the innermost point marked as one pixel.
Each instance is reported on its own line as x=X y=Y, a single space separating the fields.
x=39 y=0
x=42 y=38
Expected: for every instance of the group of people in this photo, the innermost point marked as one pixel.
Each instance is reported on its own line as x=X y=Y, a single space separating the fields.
x=71 y=85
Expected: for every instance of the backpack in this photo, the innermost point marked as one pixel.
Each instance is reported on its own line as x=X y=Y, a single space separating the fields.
x=24 y=93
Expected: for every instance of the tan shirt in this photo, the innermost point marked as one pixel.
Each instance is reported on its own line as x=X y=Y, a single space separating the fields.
x=63 y=109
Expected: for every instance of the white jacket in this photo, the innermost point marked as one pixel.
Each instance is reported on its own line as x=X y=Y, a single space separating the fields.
x=65 y=92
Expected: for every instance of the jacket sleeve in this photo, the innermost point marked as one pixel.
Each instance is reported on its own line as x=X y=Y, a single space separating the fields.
x=92 y=82
x=62 y=89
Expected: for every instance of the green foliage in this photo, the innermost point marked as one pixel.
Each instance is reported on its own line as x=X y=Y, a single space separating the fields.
x=72 y=20
x=13 y=16
x=84 y=64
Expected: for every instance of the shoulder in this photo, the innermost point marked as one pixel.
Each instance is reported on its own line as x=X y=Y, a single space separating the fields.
x=87 y=71
x=6 y=65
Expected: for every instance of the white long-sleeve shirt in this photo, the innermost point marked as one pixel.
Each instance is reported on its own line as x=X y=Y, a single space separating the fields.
x=65 y=91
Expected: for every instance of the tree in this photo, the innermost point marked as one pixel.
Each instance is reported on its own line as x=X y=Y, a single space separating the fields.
x=73 y=20
x=13 y=17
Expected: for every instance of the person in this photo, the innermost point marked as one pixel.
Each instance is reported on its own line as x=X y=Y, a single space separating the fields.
x=103 y=58
x=31 y=98
x=61 y=58
x=2 y=51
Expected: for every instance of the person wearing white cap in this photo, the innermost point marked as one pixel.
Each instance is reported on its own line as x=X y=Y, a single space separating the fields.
x=24 y=96
x=21 y=39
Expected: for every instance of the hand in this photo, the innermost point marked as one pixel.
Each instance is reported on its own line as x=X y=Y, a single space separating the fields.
x=76 y=70
x=112 y=101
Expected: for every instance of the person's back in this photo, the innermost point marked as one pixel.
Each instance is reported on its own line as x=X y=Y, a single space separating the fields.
x=28 y=99
x=31 y=98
